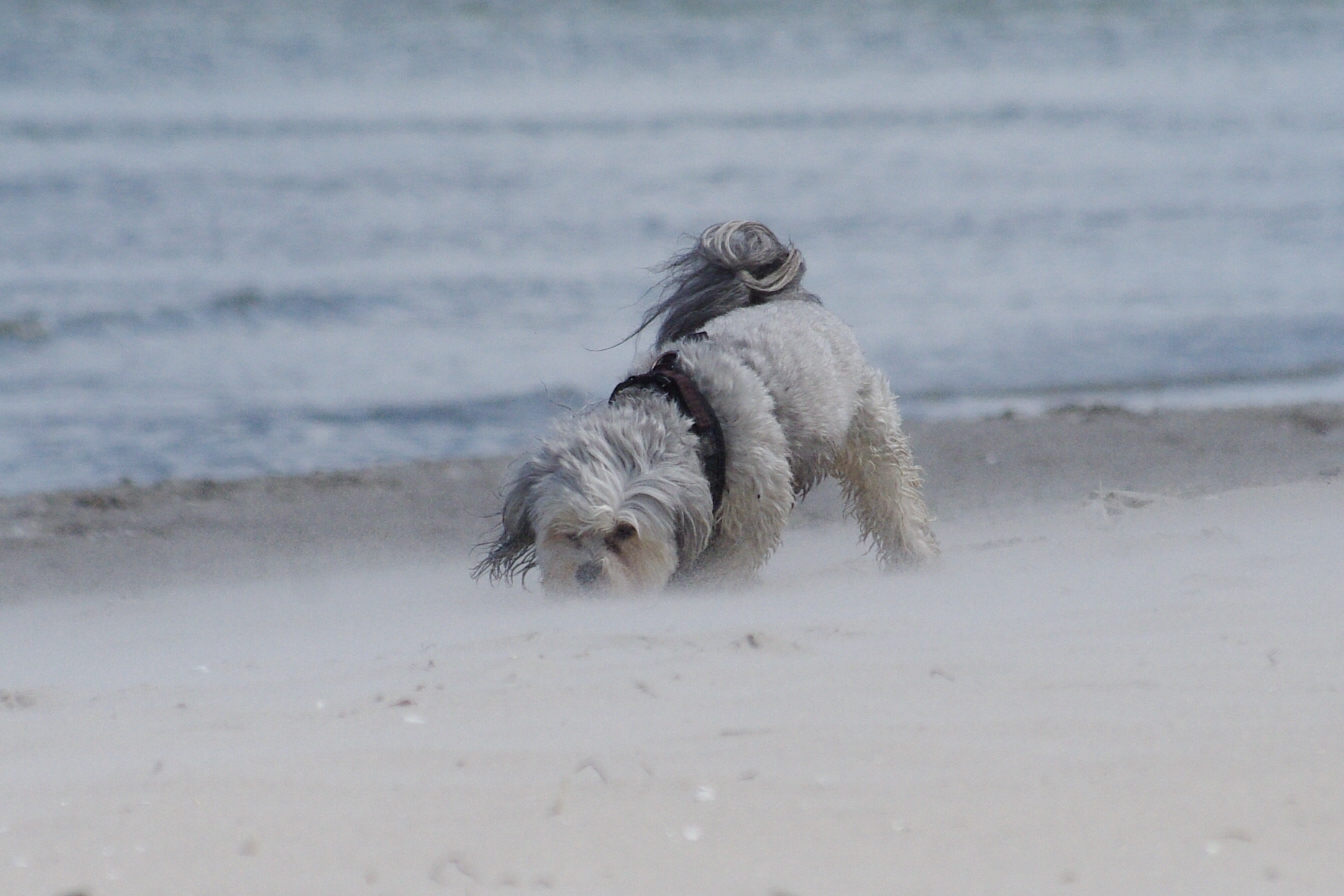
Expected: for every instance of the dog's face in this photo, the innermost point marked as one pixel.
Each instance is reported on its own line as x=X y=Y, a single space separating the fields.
x=608 y=551
x=611 y=504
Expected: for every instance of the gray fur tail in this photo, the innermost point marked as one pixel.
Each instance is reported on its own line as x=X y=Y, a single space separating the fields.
x=731 y=266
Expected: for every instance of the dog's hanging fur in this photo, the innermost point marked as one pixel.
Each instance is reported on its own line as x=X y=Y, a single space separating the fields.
x=797 y=403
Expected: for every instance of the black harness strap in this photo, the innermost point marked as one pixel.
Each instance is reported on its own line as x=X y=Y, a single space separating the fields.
x=665 y=377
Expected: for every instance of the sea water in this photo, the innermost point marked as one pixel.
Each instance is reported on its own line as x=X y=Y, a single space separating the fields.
x=254 y=237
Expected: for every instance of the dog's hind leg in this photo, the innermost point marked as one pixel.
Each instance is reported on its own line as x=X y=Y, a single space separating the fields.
x=881 y=482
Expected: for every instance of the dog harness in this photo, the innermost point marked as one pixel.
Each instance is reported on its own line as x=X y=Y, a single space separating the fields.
x=668 y=379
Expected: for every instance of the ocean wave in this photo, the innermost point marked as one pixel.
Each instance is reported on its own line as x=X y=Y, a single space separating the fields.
x=1136 y=119
x=1120 y=357
x=134 y=41
x=60 y=450
x=28 y=320
x=245 y=305
x=512 y=412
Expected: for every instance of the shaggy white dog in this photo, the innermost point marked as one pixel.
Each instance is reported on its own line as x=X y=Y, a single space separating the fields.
x=752 y=394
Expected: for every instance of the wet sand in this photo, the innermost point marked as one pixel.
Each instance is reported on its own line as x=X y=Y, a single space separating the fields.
x=181 y=532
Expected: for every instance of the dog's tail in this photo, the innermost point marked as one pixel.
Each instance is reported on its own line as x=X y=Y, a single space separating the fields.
x=732 y=265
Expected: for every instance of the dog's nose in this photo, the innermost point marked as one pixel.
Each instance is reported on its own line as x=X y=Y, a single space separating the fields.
x=588 y=573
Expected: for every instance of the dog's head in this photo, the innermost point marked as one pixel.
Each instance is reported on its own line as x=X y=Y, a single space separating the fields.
x=613 y=502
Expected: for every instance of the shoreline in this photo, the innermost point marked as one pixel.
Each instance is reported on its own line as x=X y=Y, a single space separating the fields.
x=184 y=531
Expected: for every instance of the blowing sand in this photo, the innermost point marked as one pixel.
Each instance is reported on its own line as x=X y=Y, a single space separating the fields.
x=1124 y=676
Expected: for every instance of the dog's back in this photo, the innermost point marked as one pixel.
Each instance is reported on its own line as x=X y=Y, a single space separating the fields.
x=741 y=286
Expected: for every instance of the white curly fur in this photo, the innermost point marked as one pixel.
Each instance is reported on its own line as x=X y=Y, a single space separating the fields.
x=616 y=498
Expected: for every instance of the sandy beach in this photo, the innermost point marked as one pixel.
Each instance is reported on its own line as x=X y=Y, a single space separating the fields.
x=1124 y=676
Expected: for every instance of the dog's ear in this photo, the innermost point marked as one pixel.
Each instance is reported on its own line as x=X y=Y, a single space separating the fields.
x=514 y=551
x=693 y=533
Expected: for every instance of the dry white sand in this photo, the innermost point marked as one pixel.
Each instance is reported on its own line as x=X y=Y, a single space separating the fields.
x=1140 y=693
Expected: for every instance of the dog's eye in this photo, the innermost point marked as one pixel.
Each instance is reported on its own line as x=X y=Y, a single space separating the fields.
x=619 y=535
x=573 y=537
